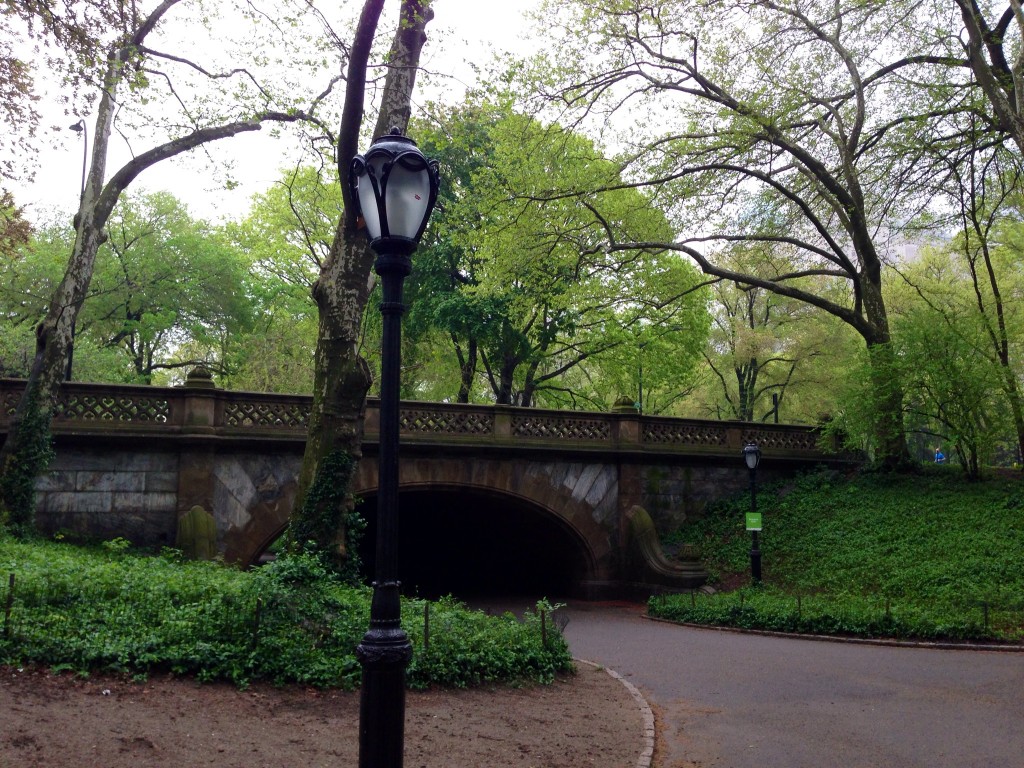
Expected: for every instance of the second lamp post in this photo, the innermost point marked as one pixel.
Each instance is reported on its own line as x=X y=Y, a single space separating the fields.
x=395 y=188
x=752 y=456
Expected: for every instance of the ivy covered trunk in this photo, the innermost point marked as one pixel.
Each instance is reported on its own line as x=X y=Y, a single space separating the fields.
x=26 y=451
x=890 y=441
x=342 y=378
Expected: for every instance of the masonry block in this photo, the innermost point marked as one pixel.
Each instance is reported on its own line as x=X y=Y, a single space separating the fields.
x=161 y=482
x=116 y=482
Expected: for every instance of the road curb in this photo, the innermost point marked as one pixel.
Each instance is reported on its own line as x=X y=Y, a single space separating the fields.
x=877 y=641
x=647 y=752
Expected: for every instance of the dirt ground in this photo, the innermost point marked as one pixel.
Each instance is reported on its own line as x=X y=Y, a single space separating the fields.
x=589 y=719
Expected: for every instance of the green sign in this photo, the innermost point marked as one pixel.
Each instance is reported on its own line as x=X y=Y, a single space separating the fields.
x=753 y=521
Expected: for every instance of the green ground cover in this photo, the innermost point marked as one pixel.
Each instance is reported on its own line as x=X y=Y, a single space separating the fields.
x=926 y=556
x=104 y=608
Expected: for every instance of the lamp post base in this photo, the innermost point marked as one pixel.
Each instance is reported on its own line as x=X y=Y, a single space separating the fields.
x=382 y=703
x=755 y=559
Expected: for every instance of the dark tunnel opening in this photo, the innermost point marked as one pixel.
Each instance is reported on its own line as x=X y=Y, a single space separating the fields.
x=471 y=545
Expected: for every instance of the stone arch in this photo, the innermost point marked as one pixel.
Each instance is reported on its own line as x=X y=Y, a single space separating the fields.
x=252 y=500
x=477 y=542
x=553 y=490
x=581 y=498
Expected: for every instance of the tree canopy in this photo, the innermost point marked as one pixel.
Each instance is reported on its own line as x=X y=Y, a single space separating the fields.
x=782 y=123
x=516 y=273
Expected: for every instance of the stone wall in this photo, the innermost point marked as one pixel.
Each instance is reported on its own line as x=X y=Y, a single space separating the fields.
x=674 y=494
x=108 y=493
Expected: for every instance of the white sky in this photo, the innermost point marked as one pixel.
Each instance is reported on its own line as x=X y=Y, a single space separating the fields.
x=461 y=29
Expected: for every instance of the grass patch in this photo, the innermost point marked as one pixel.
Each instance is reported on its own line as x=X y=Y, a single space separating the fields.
x=106 y=609
x=928 y=556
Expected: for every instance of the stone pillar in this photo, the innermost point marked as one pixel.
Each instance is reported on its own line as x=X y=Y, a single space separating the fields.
x=734 y=435
x=196 y=462
x=627 y=423
x=502 y=422
x=628 y=436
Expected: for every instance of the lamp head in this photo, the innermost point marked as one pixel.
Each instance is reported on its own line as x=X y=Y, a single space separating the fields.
x=751 y=455
x=395 y=188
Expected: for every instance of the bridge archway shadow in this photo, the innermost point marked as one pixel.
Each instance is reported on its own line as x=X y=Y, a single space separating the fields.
x=471 y=544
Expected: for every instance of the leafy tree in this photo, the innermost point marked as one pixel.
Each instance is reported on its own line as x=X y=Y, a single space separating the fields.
x=768 y=123
x=953 y=381
x=770 y=356
x=129 y=60
x=163 y=279
x=983 y=187
x=287 y=236
x=163 y=282
x=14 y=229
x=275 y=354
x=655 y=366
x=27 y=280
x=516 y=275
x=289 y=229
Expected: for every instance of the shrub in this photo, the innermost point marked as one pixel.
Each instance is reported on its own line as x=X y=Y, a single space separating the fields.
x=294 y=620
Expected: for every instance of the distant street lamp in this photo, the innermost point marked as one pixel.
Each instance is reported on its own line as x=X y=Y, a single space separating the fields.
x=752 y=456
x=81 y=129
x=395 y=188
x=640 y=377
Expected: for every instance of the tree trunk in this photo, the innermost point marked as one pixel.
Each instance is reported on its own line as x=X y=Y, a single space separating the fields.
x=467 y=369
x=55 y=335
x=342 y=378
x=890 y=440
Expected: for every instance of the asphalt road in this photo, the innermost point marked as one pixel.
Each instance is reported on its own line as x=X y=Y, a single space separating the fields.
x=745 y=701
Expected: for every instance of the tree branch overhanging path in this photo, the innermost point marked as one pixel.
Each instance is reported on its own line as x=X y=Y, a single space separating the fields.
x=784 y=123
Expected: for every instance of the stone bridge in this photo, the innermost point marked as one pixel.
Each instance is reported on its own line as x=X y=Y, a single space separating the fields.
x=492 y=497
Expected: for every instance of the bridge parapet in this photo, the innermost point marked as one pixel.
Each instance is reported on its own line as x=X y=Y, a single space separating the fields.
x=192 y=411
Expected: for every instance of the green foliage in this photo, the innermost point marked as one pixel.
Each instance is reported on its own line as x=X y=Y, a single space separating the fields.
x=882 y=554
x=959 y=375
x=139 y=304
x=764 y=344
x=518 y=277
x=329 y=513
x=468 y=648
x=287 y=236
x=15 y=230
x=22 y=467
x=293 y=620
x=774 y=610
x=166 y=290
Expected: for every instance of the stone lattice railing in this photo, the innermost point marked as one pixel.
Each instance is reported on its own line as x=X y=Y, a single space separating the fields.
x=200 y=409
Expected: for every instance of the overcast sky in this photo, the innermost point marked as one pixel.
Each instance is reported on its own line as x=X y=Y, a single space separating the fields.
x=471 y=29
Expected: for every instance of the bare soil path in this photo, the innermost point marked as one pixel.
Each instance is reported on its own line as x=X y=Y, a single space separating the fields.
x=582 y=721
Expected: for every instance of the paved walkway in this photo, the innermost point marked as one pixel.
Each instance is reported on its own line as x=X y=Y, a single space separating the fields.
x=728 y=700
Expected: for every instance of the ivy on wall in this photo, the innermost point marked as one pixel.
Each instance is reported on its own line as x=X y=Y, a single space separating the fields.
x=329 y=525
x=23 y=466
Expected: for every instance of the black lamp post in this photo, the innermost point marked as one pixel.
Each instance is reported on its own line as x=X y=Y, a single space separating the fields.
x=752 y=456
x=395 y=188
x=81 y=129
